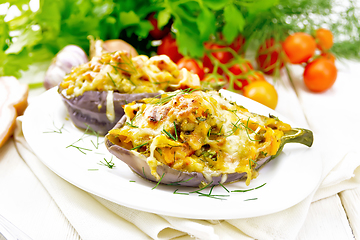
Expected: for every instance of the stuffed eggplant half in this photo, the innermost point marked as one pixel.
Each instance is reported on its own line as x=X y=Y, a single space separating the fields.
x=95 y=92
x=192 y=138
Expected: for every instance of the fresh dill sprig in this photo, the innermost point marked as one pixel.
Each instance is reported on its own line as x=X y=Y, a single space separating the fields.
x=139 y=146
x=143 y=172
x=158 y=181
x=178 y=183
x=169 y=135
x=107 y=163
x=250 y=199
x=57 y=130
x=168 y=98
x=176 y=192
x=251 y=189
x=81 y=149
x=94 y=133
x=111 y=79
x=250 y=160
x=224 y=187
x=131 y=124
x=176 y=135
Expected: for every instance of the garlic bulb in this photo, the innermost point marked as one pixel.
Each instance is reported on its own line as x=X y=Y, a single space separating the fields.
x=69 y=57
x=98 y=47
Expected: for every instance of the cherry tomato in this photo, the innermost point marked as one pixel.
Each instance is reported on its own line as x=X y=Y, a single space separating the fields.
x=239 y=70
x=157 y=33
x=170 y=48
x=329 y=56
x=222 y=56
x=268 y=57
x=238 y=44
x=320 y=74
x=191 y=65
x=262 y=92
x=207 y=64
x=299 y=47
x=324 y=39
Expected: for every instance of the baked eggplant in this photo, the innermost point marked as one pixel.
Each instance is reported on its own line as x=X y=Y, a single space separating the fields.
x=195 y=138
x=95 y=92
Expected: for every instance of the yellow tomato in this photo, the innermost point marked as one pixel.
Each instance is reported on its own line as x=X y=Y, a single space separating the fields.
x=262 y=92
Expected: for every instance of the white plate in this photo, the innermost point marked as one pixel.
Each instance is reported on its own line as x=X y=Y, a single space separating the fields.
x=289 y=178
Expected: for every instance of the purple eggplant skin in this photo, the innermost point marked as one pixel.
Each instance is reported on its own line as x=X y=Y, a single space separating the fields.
x=84 y=110
x=170 y=176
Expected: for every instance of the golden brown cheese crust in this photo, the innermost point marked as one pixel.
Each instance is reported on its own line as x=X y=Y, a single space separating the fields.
x=120 y=72
x=199 y=132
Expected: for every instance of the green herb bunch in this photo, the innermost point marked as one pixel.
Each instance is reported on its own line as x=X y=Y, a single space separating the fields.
x=36 y=36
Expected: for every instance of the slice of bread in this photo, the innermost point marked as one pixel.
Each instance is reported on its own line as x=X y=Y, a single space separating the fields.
x=13 y=102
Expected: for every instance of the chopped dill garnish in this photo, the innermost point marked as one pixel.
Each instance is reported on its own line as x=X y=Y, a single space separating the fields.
x=132 y=181
x=247 y=128
x=176 y=135
x=144 y=172
x=250 y=160
x=202 y=187
x=107 y=163
x=274 y=117
x=81 y=149
x=250 y=199
x=139 y=146
x=111 y=79
x=201 y=119
x=247 y=190
x=93 y=169
x=96 y=134
x=169 y=135
x=57 y=130
x=224 y=187
x=131 y=125
x=168 y=98
x=176 y=192
x=178 y=183
x=158 y=181
x=220 y=197
x=159 y=151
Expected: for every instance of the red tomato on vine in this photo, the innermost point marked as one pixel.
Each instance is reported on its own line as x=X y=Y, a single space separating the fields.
x=222 y=56
x=157 y=33
x=169 y=48
x=240 y=70
x=238 y=44
x=269 y=56
x=191 y=65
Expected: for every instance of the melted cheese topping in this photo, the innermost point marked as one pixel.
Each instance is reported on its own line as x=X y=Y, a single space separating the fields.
x=119 y=72
x=199 y=132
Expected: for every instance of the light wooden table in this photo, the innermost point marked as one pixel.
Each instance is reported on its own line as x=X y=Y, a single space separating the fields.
x=26 y=203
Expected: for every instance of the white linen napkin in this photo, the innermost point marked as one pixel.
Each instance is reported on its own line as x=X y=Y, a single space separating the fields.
x=329 y=115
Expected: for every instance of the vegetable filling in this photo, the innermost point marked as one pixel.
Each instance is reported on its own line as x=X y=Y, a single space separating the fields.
x=196 y=131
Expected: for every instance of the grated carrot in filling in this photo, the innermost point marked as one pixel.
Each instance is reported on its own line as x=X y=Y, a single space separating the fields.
x=198 y=131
